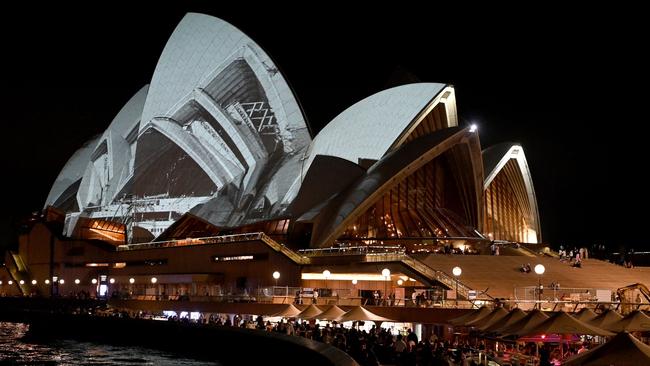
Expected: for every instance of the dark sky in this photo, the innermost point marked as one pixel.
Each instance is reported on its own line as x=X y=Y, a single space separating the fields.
x=572 y=87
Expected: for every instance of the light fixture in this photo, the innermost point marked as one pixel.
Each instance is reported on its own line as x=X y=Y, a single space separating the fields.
x=34 y=282
x=22 y=282
x=400 y=282
x=327 y=274
x=131 y=280
x=385 y=272
x=457 y=271
x=62 y=281
x=154 y=280
x=276 y=275
x=354 y=281
x=76 y=281
x=10 y=282
x=540 y=269
x=473 y=127
x=112 y=280
x=0 y=282
x=94 y=281
x=47 y=282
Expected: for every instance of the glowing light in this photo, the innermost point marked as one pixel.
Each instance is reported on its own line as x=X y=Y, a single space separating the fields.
x=327 y=274
x=400 y=282
x=22 y=282
x=343 y=276
x=473 y=127
x=540 y=269
x=385 y=272
x=94 y=281
x=47 y=282
x=457 y=271
x=61 y=281
x=154 y=280
x=131 y=280
x=76 y=281
x=10 y=282
x=34 y=282
x=112 y=281
x=276 y=275
x=354 y=281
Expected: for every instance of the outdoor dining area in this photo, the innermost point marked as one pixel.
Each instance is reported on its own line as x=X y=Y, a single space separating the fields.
x=534 y=338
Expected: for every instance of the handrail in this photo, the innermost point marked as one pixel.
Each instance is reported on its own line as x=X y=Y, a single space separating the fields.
x=15 y=272
x=278 y=247
x=422 y=268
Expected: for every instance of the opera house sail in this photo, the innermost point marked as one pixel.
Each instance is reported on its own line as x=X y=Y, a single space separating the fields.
x=213 y=165
x=218 y=133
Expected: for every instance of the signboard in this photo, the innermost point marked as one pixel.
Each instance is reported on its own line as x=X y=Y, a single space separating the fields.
x=604 y=295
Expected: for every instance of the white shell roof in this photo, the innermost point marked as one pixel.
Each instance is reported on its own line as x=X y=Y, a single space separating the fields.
x=118 y=149
x=72 y=171
x=368 y=128
x=200 y=45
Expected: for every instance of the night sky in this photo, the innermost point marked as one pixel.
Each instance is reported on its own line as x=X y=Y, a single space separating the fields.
x=571 y=88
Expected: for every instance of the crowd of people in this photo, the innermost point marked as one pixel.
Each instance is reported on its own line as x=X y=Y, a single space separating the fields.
x=574 y=256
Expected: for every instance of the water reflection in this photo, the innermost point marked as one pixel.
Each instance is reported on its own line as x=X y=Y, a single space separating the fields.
x=15 y=350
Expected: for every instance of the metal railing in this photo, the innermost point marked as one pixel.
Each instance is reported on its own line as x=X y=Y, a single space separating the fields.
x=423 y=269
x=222 y=239
x=279 y=247
x=352 y=250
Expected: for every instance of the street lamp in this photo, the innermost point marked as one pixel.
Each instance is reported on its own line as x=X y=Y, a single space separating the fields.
x=326 y=274
x=386 y=273
x=457 y=272
x=539 y=269
x=276 y=275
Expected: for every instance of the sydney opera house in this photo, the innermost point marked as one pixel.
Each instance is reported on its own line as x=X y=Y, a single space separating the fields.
x=209 y=180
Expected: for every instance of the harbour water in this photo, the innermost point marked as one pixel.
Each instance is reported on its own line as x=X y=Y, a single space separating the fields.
x=16 y=349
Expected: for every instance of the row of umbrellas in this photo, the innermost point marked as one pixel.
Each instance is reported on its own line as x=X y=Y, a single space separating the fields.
x=333 y=313
x=518 y=322
x=621 y=350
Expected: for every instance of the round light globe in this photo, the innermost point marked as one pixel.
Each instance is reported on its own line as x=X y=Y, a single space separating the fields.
x=276 y=275
x=400 y=282
x=131 y=280
x=385 y=272
x=327 y=274
x=540 y=269
x=94 y=281
x=354 y=281
x=154 y=280
x=457 y=271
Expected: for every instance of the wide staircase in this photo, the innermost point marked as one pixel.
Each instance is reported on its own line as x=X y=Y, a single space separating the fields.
x=423 y=270
x=500 y=275
x=18 y=271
